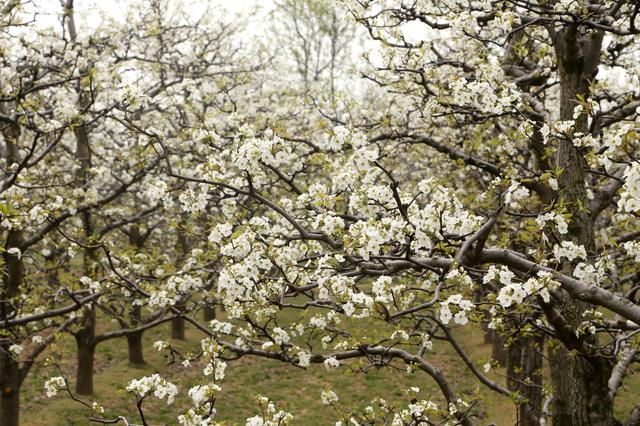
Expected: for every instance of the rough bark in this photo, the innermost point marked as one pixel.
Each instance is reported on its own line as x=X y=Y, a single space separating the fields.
x=580 y=390
x=579 y=380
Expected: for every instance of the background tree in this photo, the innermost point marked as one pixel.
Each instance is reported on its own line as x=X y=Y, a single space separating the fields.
x=316 y=38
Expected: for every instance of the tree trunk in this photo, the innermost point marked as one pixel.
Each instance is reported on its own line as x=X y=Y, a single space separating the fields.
x=13 y=274
x=581 y=395
x=84 y=375
x=498 y=353
x=10 y=398
x=209 y=313
x=524 y=375
x=134 y=344
x=86 y=345
x=134 y=340
x=177 y=328
x=85 y=337
x=182 y=246
x=488 y=337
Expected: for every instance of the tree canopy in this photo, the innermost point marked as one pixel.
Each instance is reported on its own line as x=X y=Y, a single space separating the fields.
x=476 y=168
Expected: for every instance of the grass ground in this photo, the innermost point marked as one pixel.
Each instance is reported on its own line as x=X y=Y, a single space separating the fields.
x=296 y=390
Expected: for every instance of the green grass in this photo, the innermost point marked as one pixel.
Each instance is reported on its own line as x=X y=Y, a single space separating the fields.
x=295 y=390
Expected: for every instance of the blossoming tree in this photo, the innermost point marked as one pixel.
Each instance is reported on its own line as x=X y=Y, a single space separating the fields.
x=74 y=168
x=491 y=182
x=523 y=215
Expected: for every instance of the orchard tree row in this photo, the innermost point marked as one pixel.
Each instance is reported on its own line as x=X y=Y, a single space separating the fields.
x=479 y=168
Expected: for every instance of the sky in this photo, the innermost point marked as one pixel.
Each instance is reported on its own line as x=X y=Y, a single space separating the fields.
x=90 y=13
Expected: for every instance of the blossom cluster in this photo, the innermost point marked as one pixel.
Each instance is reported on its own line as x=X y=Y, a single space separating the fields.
x=155 y=384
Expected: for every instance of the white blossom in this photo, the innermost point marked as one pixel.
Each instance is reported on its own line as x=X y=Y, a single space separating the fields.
x=53 y=385
x=331 y=363
x=155 y=384
x=328 y=397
